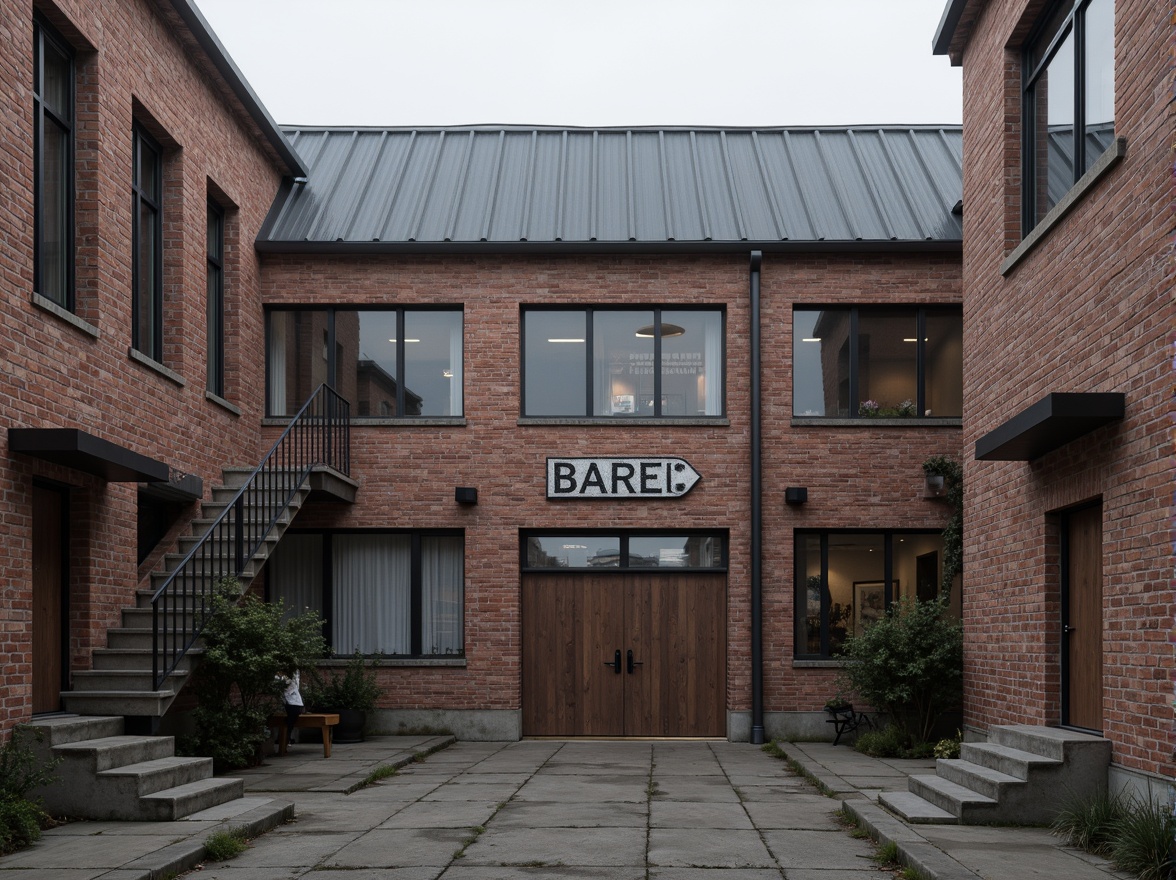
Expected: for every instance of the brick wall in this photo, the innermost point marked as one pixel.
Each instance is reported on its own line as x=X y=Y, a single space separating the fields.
x=867 y=476
x=1089 y=309
x=132 y=64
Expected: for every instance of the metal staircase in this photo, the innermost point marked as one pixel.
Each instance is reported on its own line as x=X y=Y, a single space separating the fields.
x=105 y=773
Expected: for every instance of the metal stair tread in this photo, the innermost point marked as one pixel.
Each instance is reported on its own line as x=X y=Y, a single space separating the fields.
x=953 y=790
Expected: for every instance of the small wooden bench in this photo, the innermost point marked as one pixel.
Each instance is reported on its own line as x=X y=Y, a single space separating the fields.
x=846 y=720
x=306 y=719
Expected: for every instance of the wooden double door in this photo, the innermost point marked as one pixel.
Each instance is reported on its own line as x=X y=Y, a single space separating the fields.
x=624 y=654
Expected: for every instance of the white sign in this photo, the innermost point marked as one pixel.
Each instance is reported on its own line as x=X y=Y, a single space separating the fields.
x=619 y=477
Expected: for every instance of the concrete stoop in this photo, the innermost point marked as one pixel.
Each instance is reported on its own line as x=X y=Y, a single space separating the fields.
x=1023 y=775
x=105 y=774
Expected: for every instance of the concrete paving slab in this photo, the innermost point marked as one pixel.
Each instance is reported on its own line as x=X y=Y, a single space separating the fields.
x=704 y=789
x=442 y=814
x=990 y=850
x=400 y=848
x=95 y=850
x=545 y=872
x=303 y=850
x=541 y=847
x=585 y=789
x=690 y=848
x=804 y=811
x=229 y=810
x=544 y=814
x=677 y=873
x=818 y=849
x=680 y=814
x=466 y=790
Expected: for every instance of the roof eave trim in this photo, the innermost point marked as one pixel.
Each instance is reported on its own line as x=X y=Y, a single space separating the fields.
x=948 y=23
x=606 y=247
x=224 y=64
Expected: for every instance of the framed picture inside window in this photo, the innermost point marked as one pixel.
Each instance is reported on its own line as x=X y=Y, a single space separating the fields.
x=869 y=603
x=623 y=404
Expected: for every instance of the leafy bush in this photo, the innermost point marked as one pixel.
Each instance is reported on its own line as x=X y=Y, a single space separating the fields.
x=889 y=742
x=248 y=645
x=953 y=533
x=355 y=688
x=909 y=664
x=948 y=747
x=21 y=817
x=1090 y=824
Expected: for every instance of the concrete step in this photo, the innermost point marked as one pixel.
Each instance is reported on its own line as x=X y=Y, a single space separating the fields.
x=151 y=704
x=42 y=734
x=138 y=659
x=1051 y=742
x=184 y=800
x=107 y=753
x=982 y=780
x=158 y=774
x=1006 y=759
x=915 y=809
x=966 y=805
x=187 y=600
x=143 y=618
x=90 y=680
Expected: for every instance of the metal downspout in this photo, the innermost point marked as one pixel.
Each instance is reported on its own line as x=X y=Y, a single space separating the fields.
x=757 y=538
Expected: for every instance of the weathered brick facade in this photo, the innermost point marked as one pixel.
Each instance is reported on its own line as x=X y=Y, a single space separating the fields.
x=1088 y=308
x=134 y=63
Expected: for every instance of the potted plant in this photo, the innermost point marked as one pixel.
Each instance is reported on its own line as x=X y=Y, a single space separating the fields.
x=351 y=694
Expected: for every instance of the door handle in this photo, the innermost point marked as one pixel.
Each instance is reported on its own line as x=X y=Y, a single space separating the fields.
x=615 y=663
x=1069 y=629
x=629 y=661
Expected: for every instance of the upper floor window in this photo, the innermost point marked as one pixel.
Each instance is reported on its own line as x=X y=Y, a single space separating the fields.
x=147 y=239
x=846 y=580
x=216 y=299
x=388 y=363
x=53 y=166
x=1069 y=101
x=877 y=362
x=623 y=362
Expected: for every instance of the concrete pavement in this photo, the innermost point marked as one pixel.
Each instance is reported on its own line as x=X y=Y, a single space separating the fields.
x=601 y=810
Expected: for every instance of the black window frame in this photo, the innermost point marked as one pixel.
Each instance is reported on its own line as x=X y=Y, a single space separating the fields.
x=1075 y=22
x=920 y=315
x=416 y=601
x=623 y=536
x=45 y=35
x=150 y=194
x=589 y=354
x=216 y=299
x=800 y=580
x=333 y=351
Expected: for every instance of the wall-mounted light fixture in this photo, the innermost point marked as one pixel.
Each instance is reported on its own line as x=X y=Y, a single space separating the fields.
x=796 y=495
x=465 y=495
x=933 y=486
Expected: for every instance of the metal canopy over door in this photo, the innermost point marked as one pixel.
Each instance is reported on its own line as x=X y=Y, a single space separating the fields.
x=624 y=654
x=1082 y=646
x=49 y=569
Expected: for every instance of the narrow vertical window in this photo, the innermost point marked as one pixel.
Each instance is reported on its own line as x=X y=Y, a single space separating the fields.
x=216 y=300
x=53 y=167
x=147 y=220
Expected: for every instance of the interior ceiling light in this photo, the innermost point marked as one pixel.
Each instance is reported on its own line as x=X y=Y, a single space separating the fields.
x=407 y=340
x=565 y=340
x=667 y=330
x=448 y=374
x=914 y=340
x=811 y=339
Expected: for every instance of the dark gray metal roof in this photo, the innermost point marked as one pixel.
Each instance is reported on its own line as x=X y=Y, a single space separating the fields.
x=494 y=189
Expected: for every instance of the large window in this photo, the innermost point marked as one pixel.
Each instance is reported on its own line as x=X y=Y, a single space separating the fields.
x=216 y=299
x=147 y=223
x=388 y=363
x=597 y=550
x=877 y=362
x=622 y=363
x=846 y=580
x=1069 y=100
x=389 y=593
x=53 y=166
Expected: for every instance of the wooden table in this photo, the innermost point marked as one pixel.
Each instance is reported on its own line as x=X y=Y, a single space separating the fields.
x=318 y=720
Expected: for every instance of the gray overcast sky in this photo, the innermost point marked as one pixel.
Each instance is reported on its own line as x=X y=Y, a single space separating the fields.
x=597 y=63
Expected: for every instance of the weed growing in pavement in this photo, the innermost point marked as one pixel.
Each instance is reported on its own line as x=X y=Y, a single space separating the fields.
x=226 y=844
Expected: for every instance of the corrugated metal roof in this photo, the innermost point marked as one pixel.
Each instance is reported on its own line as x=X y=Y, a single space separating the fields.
x=486 y=188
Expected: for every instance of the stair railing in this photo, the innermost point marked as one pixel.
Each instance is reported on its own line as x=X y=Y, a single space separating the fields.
x=318 y=435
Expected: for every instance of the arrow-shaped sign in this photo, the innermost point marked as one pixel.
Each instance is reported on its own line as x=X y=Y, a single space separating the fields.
x=619 y=477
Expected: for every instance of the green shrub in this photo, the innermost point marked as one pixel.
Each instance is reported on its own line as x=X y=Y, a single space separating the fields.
x=1142 y=841
x=949 y=747
x=20 y=823
x=1090 y=823
x=355 y=688
x=248 y=644
x=223 y=845
x=21 y=817
x=889 y=742
x=909 y=664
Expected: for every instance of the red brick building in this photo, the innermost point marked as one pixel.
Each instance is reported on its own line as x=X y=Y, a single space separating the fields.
x=637 y=420
x=1068 y=311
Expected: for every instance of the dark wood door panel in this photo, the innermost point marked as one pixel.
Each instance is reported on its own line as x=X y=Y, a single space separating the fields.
x=48 y=574
x=1084 y=646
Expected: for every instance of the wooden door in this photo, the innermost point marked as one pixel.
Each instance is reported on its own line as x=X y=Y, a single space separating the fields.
x=1082 y=646
x=677 y=632
x=670 y=632
x=48 y=598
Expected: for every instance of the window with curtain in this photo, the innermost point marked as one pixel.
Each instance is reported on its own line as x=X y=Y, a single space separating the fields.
x=1068 y=104
x=389 y=363
x=623 y=363
x=853 y=362
x=846 y=580
x=53 y=166
x=386 y=593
